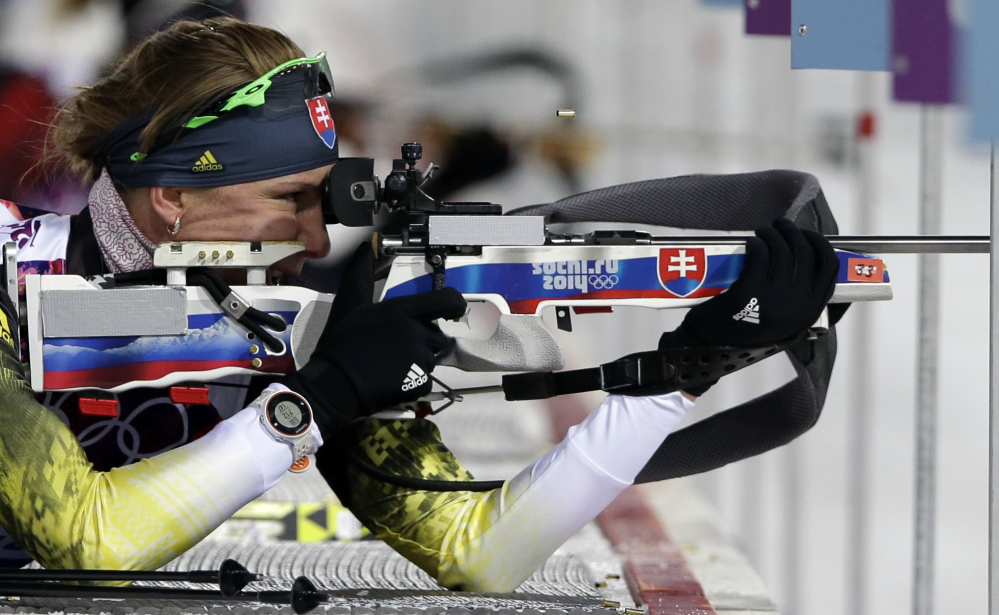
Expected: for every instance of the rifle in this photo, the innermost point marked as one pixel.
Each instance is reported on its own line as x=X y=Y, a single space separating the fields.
x=178 y=325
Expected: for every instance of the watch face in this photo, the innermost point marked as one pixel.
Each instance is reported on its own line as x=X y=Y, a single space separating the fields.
x=288 y=413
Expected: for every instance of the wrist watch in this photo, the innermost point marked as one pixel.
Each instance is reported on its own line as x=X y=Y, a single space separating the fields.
x=287 y=417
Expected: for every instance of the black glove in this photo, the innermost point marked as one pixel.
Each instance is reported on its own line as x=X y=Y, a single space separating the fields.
x=373 y=356
x=787 y=279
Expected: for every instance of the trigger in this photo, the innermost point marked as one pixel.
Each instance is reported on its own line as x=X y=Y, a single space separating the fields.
x=464 y=317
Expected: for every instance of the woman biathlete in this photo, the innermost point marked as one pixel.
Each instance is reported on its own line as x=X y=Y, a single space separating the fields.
x=217 y=130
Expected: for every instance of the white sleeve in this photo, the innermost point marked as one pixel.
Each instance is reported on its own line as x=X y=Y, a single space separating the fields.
x=620 y=436
x=568 y=487
x=273 y=458
x=254 y=460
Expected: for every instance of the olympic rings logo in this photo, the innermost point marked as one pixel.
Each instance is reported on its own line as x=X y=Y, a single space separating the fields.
x=127 y=435
x=603 y=282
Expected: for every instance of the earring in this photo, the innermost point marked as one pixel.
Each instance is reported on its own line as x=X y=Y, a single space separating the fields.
x=175 y=229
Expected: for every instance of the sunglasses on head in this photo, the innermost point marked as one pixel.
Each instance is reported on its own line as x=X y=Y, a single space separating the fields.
x=253 y=94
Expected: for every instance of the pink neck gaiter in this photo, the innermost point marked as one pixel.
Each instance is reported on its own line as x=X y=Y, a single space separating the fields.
x=123 y=245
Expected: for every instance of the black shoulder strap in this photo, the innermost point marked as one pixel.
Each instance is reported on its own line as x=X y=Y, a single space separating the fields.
x=83 y=253
x=724 y=202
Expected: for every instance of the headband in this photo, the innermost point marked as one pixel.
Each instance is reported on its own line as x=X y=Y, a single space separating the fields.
x=280 y=128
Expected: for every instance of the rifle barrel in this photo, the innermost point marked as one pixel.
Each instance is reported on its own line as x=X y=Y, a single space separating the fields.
x=913 y=244
x=874 y=244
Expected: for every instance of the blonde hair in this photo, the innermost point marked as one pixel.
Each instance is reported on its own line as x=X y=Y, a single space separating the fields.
x=174 y=74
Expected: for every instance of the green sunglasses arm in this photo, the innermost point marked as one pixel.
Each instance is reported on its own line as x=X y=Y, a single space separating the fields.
x=252 y=94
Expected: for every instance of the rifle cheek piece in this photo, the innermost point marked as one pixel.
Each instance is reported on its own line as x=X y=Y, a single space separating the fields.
x=646 y=373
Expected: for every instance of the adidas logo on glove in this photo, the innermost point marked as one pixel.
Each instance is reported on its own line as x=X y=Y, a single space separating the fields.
x=750 y=313
x=414 y=378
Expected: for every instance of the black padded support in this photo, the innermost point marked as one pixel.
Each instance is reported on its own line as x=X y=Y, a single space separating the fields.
x=724 y=202
x=738 y=202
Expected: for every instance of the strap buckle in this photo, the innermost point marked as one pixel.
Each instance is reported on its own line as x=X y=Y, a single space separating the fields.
x=636 y=370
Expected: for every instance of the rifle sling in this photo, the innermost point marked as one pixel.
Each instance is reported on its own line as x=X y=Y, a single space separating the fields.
x=644 y=373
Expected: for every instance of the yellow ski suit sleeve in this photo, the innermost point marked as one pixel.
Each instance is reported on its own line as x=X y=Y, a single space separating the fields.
x=64 y=514
x=492 y=541
x=474 y=541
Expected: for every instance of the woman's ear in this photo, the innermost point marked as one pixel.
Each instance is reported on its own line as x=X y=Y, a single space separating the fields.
x=166 y=204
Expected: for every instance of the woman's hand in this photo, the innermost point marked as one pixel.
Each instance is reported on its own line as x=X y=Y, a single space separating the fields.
x=373 y=356
x=786 y=281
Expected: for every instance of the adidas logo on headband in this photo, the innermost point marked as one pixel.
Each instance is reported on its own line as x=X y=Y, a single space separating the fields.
x=207 y=163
